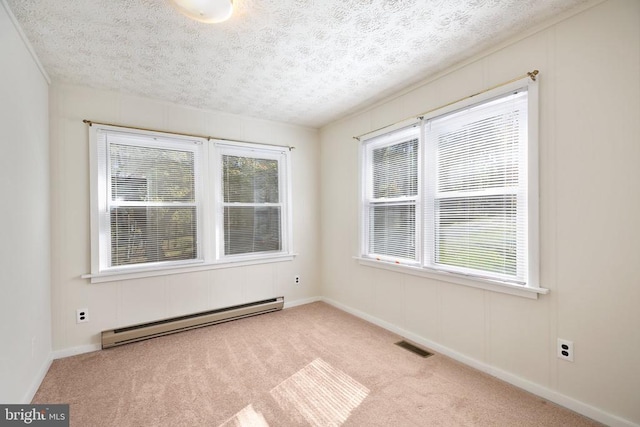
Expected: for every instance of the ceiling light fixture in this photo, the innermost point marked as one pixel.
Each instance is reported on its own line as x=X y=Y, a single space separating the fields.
x=209 y=11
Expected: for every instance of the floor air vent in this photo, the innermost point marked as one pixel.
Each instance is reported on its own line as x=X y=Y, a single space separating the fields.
x=145 y=331
x=412 y=348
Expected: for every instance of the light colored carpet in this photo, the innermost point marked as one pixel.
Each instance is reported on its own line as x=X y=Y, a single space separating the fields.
x=311 y=365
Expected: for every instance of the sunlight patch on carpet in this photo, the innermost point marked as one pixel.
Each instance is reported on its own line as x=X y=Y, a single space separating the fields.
x=321 y=394
x=247 y=417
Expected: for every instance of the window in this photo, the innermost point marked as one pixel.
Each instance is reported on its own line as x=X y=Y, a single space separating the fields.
x=455 y=193
x=391 y=196
x=149 y=200
x=252 y=201
x=163 y=201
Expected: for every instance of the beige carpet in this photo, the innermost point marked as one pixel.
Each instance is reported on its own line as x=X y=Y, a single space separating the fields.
x=311 y=365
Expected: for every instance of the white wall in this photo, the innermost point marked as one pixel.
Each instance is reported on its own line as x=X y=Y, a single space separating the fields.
x=589 y=213
x=129 y=302
x=25 y=314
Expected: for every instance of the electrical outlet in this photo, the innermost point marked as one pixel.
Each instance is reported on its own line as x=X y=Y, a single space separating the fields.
x=565 y=350
x=297 y=280
x=82 y=315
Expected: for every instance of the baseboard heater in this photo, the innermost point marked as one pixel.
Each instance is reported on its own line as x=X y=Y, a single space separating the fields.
x=145 y=331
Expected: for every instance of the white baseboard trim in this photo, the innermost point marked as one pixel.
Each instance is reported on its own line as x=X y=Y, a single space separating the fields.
x=544 y=392
x=35 y=385
x=301 y=302
x=74 y=351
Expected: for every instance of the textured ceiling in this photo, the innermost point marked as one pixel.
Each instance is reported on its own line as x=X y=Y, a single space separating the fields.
x=299 y=61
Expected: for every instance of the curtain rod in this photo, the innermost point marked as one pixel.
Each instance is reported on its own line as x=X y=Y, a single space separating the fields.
x=207 y=137
x=531 y=74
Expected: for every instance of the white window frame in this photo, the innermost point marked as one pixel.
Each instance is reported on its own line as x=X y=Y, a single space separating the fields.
x=405 y=133
x=531 y=288
x=281 y=155
x=208 y=200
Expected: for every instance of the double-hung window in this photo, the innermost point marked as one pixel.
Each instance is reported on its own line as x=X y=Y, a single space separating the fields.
x=391 y=196
x=165 y=203
x=458 y=198
x=149 y=200
x=476 y=198
x=252 y=200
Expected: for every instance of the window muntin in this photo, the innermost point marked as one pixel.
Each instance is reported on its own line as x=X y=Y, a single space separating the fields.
x=473 y=211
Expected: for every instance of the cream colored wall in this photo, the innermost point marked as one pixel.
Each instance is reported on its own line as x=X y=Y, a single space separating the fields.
x=25 y=297
x=128 y=302
x=589 y=211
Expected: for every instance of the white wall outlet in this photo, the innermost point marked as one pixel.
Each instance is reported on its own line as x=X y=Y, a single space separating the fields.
x=82 y=315
x=565 y=350
x=296 y=280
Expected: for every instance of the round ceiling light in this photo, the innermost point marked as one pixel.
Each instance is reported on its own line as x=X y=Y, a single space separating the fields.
x=209 y=11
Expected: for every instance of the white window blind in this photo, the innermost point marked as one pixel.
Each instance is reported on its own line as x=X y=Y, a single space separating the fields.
x=391 y=195
x=476 y=199
x=253 y=201
x=149 y=205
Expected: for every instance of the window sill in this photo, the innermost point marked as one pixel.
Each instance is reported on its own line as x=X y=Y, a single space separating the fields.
x=114 y=276
x=489 y=285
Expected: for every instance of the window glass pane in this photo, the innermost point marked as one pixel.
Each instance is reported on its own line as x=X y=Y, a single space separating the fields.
x=392 y=230
x=478 y=233
x=249 y=229
x=481 y=154
x=152 y=234
x=249 y=180
x=151 y=174
x=395 y=170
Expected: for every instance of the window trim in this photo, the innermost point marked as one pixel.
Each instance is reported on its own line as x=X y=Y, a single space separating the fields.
x=532 y=288
x=140 y=273
x=456 y=278
x=208 y=216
